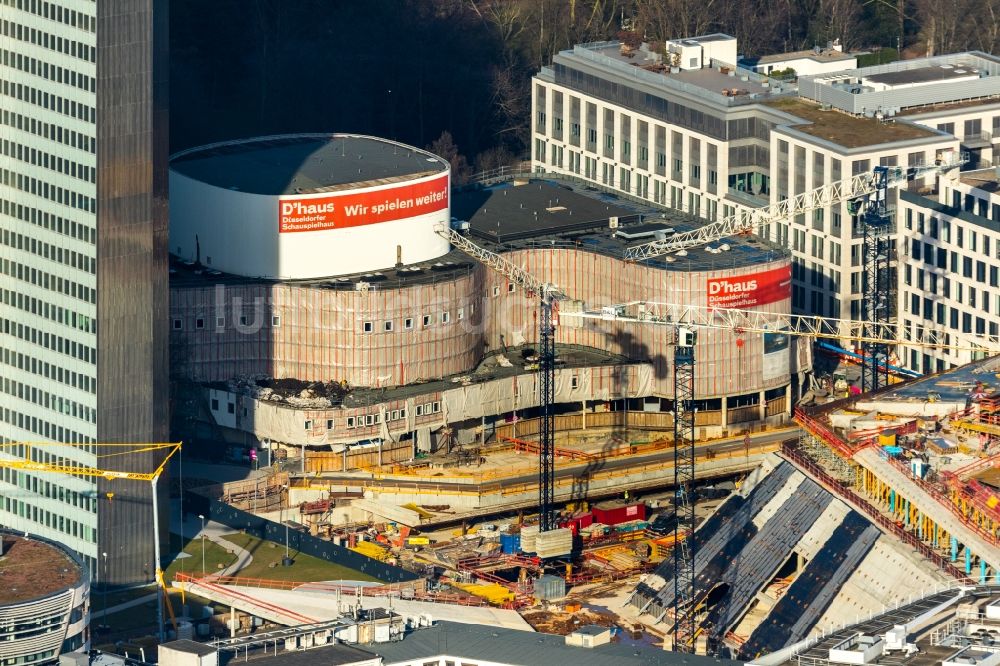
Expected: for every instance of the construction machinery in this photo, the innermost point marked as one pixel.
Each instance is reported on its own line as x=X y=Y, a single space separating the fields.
x=549 y=297
x=31 y=457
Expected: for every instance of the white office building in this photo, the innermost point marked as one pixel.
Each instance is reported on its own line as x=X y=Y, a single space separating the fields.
x=699 y=134
x=83 y=292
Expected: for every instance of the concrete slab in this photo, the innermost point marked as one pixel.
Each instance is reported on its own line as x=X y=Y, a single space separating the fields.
x=769 y=510
x=889 y=574
x=821 y=531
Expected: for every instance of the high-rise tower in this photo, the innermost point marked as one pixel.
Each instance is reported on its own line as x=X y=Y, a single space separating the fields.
x=83 y=266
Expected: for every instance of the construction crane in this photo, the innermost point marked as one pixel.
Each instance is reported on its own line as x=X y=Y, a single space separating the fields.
x=549 y=296
x=751 y=221
x=753 y=321
x=878 y=292
x=27 y=456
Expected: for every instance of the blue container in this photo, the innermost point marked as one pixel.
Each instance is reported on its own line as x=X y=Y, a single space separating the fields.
x=510 y=544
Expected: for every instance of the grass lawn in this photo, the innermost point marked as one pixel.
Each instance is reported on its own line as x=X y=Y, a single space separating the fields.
x=305 y=569
x=214 y=556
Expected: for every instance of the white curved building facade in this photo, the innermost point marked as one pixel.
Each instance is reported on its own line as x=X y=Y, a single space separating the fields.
x=307 y=206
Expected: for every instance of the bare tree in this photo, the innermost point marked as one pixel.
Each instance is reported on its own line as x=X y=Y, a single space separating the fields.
x=445 y=148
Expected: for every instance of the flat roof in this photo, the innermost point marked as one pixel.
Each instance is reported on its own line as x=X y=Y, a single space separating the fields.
x=950 y=386
x=706 y=78
x=304 y=163
x=190 y=647
x=31 y=569
x=533 y=210
x=328 y=655
x=921 y=75
x=826 y=55
x=488 y=369
x=704 y=39
x=508 y=646
x=986 y=180
x=561 y=214
x=844 y=129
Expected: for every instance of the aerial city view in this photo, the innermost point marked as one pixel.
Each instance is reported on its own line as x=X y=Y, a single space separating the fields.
x=499 y=333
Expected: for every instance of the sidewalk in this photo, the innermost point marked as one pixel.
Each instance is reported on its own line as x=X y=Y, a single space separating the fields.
x=191 y=529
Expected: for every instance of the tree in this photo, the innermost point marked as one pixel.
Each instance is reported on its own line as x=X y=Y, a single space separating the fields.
x=445 y=148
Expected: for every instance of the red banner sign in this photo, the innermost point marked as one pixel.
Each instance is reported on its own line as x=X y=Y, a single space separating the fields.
x=355 y=209
x=747 y=291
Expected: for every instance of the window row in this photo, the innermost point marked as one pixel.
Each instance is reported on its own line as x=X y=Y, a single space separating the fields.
x=50 y=341
x=55 y=313
x=49 y=221
x=48 y=281
x=50 y=131
x=177 y=323
x=40 y=248
x=43 y=428
x=69 y=47
x=427 y=320
x=48 y=71
x=54 y=12
x=58 y=522
x=83 y=501
x=35 y=366
x=50 y=101
x=40 y=158
x=365 y=420
x=46 y=190
x=52 y=402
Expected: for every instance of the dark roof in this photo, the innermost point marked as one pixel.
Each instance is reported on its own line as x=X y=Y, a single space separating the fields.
x=524 y=216
x=920 y=75
x=510 y=646
x=190 y=647
x=330 y=655
x=304 y=163
x=533 y=210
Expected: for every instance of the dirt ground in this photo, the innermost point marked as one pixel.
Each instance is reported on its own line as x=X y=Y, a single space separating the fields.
x=561 y=623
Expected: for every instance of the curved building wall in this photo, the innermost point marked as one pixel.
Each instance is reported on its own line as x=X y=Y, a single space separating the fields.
x=395 y=336
x=305 y=236
x=37 y=631
x=385 y=336
x=724 y=366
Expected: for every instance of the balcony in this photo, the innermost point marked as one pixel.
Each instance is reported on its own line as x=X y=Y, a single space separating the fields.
x=978 y=140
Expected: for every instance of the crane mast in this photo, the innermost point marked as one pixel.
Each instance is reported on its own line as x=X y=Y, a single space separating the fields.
x=684 y=473
x=548 y=296
x=878 y=293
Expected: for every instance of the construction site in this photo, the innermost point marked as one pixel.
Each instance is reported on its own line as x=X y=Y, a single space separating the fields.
x=570 y=409
x=497 y=432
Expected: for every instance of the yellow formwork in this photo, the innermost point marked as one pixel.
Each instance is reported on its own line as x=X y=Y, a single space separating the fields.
x=372 y=550
x=493 y=592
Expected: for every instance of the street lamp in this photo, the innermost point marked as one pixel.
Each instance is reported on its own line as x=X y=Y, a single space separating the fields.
x=202 y=544
x=104 y=615
x=287 y=562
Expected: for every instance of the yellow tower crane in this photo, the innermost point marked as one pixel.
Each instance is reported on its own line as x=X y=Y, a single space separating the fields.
x=26 y=456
